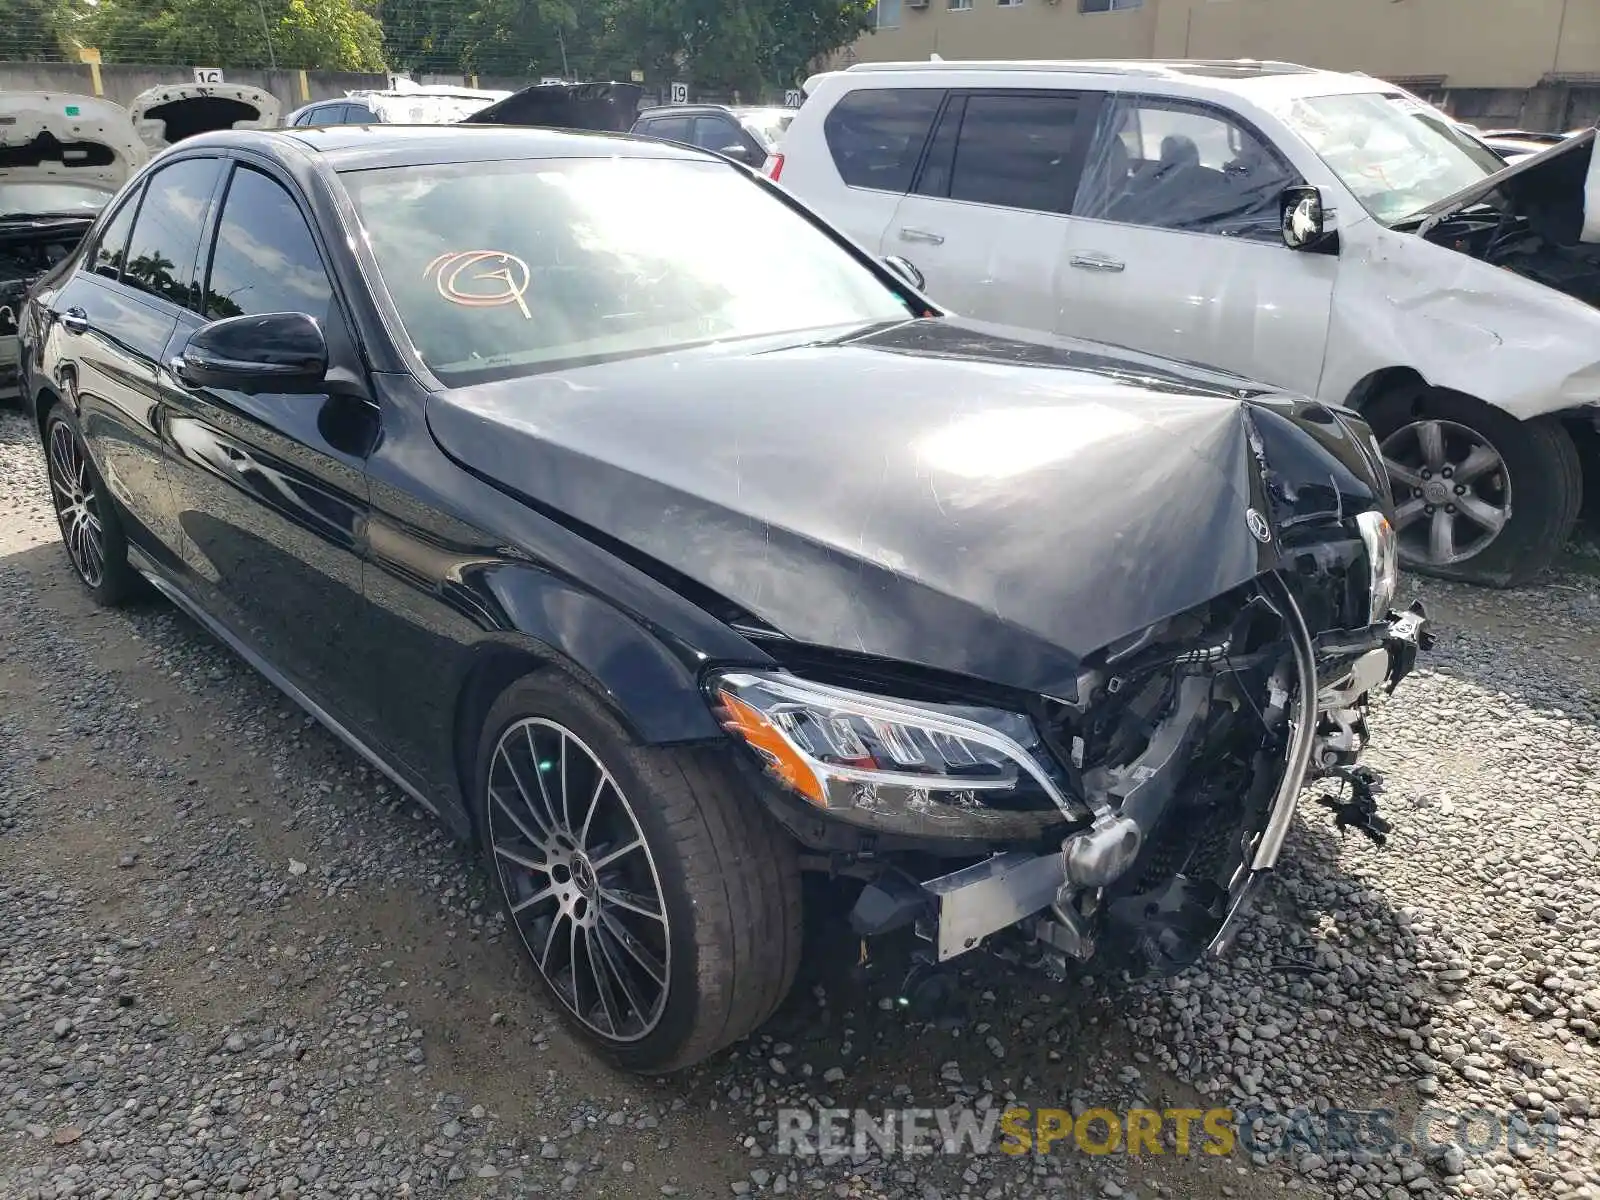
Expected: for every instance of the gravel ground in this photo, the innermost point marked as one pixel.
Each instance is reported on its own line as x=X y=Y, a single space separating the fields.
x=234 y=962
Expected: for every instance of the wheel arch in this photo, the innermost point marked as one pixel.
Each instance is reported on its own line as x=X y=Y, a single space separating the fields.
x=1385 y=382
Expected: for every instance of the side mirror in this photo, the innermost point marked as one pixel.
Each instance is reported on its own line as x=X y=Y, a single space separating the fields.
x=740 y=154
x=907 y=271
x=269 y=352
x=1305 y=221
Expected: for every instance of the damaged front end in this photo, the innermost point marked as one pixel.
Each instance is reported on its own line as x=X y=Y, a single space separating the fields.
x=1136 y=819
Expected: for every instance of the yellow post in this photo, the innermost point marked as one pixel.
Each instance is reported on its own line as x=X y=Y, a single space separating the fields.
x=90 y=56
x=305 y=88
x=472 y=82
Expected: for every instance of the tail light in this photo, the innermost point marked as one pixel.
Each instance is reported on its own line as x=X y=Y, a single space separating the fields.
x=774 y=167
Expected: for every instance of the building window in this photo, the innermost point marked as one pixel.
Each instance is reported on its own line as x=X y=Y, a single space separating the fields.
x=960 y=5
x=1093 y=6
x=886 y=14
x=1008 y=3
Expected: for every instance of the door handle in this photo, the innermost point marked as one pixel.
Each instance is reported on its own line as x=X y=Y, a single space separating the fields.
x=921 y=235
x=1097 y=262
x=75 y=320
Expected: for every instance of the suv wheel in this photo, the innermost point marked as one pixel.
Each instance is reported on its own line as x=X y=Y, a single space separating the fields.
x=655 y=897
x=1479 y=495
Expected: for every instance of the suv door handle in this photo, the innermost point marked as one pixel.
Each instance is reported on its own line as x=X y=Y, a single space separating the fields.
x=1091 y=261
x=75 y=320
x=921 y=235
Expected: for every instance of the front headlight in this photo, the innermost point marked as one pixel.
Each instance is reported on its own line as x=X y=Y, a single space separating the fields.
x=895 y=766
x=1383 y=563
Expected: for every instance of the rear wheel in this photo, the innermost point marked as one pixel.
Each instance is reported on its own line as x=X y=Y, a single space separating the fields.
x=91 y=529
x=1479 y=495
x=656 y=899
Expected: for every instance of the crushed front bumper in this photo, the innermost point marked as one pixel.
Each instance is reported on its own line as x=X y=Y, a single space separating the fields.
x=958 y=911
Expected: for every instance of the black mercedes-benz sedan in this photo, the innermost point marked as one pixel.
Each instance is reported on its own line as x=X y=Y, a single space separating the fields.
x=666 y=545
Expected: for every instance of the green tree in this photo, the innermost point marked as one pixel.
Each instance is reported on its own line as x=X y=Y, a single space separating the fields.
x=34 y=29
x=311 y=34
x=802 y=31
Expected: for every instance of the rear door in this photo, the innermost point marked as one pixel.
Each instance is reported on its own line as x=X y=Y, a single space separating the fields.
x=873 y=139
x=116 y=316
x=271 y=489
x=986 y=220
x=1175 y=246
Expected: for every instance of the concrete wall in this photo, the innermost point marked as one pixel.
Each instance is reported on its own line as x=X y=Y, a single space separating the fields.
x=1471 y=43
x=122 y=82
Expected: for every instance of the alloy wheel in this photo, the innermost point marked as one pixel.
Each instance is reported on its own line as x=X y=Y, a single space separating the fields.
x=77 y=505
x=1452 y=491
x=579 y=880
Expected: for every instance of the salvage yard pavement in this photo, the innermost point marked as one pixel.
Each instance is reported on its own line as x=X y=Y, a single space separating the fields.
x=235 y=962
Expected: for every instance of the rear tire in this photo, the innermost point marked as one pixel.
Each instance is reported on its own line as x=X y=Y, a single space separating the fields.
x=91 y=527
x=1458 y=464
x=725 y=878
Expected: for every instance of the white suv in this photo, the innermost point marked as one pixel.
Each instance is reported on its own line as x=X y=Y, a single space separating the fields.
x=1327 y=234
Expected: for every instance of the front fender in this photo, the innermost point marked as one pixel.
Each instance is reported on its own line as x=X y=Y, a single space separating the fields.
x=1461 y=324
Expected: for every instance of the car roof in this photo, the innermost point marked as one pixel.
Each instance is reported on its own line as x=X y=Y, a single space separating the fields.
x=667 y=110
x=1261 y=79
x=361 y=147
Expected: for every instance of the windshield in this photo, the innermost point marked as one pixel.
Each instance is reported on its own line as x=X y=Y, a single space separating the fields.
x=54 y=199
x=1395 y=153
x=506 y=268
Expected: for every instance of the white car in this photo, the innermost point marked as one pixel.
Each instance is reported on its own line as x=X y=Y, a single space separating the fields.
x=62 y=159
x=170 y=112
x=1275 y=221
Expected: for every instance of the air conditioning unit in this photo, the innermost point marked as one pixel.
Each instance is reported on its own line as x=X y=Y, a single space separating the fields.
x=916 y=3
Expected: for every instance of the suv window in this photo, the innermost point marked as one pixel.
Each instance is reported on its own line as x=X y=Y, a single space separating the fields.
x=265 y=259
x=360 y=114
x=671 y=129
x=113 y=244
x=1012 y=150
x=166 y=234
x=876 y=135
x=1174 y=166
x=714 y=133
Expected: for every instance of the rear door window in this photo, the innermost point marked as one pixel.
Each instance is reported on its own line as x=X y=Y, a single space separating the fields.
x=1015 y=150
x=166 y=233
x=671 y=129
x=113 y=243
x=716 y=133
x=876 y=135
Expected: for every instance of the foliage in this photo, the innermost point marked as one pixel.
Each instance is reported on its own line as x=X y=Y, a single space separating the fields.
x=33 y=29
x=329 y=34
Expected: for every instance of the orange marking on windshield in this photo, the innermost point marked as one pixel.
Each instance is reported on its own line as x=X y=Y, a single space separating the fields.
x=511 y=274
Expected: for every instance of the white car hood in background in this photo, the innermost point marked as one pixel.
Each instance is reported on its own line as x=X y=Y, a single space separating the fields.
x=88 y=128
x=153 y=129
x=427 y=106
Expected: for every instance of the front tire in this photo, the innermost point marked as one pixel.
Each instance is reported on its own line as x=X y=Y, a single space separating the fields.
x=91 y=529
x=656 y=899
x=1479 y=496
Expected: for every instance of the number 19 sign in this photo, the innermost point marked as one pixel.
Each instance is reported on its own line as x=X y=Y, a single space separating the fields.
x=680 y=93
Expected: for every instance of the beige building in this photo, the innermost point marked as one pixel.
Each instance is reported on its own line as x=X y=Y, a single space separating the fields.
x=1492 y=61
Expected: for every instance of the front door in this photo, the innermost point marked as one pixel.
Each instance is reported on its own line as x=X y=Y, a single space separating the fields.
x=271 y=489
x=1175 y=247
x=986 y=219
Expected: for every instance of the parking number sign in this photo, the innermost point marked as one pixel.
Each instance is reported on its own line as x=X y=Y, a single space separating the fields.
x=792 y=98
x=208 y=74
x=680 y=93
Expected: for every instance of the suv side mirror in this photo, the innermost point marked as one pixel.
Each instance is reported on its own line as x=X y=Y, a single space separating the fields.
x=742 y=154
x=907 y=271
x=267 y=352
x=1305 y=221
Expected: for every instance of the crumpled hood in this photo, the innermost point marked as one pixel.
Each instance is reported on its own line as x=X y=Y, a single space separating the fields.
x=600 y=107
x=1568 y=172
x=932 y=492
x=171 y=112
x=55 y=137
